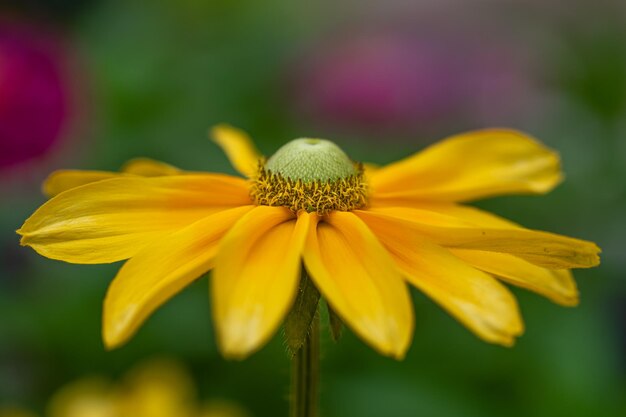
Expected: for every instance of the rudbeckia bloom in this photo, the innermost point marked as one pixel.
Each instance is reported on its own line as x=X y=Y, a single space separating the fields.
x=361 y=232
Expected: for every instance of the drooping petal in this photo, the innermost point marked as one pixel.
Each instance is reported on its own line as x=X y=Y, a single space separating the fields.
x=360 y=281
x=256 y=276
x=65 y=179
x=474 y=298
x=556 y=284
x=239 y=149
x=544 y=249
x=159 y=271
x=470 y=166
x=113 y=219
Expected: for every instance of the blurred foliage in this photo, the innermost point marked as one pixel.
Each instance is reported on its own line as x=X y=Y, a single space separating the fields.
x=595 y=71
x=154 y=75
x=60 y=10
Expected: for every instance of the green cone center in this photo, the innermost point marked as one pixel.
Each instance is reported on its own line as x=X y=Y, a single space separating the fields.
x=311 y=160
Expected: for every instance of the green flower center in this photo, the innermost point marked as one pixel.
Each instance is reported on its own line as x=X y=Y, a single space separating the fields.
x=310 y=174
x=311 y=160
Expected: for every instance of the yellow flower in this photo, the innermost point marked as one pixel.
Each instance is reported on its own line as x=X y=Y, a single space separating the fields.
x=157 y=388
x=87 y=397
x=363 y=233
x=7 y=411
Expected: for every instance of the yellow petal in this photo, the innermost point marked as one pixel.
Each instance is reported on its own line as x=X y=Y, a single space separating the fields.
x=471 y=215
x=256 y=276
x=449 y=214
x=474 y=298
x=556 y=284
x=470 y=166
x=160 y=271
x=113 y=219
x=146 y=167
x=360 y=281
x=544 y=249
x=239 y=149
x=65 y=179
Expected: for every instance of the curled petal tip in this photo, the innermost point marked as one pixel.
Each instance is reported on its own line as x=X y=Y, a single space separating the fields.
x=109 y=347
x=398 y=355
x=508 y=343
x=110 y=340
x=24 y=238
x=508 y=339
x=570 y=302
x=237 y=342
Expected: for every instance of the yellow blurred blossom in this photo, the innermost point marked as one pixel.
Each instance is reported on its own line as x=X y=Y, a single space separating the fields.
x=158 y=388
x=10 y=411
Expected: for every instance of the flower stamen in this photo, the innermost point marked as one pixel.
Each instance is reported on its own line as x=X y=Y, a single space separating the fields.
x=320 y=196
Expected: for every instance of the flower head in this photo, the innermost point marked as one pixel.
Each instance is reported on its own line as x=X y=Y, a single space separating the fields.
x=362 y=233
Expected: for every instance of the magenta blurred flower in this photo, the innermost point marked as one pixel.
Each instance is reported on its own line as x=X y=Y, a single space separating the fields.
x=399 y=81
x=33 y=97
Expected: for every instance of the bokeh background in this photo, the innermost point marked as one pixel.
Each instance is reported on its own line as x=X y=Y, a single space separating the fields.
x=92 y=83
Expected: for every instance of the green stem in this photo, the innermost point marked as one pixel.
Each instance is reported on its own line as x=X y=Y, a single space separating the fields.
x=305 y=374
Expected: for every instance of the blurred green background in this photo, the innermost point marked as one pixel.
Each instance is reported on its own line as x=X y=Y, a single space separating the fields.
x=383 y=80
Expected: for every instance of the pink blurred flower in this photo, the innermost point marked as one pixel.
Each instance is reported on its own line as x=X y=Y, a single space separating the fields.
x=34 y=99
x=386 y=80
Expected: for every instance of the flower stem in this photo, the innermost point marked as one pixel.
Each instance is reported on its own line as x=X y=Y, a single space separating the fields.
x=305 y=374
